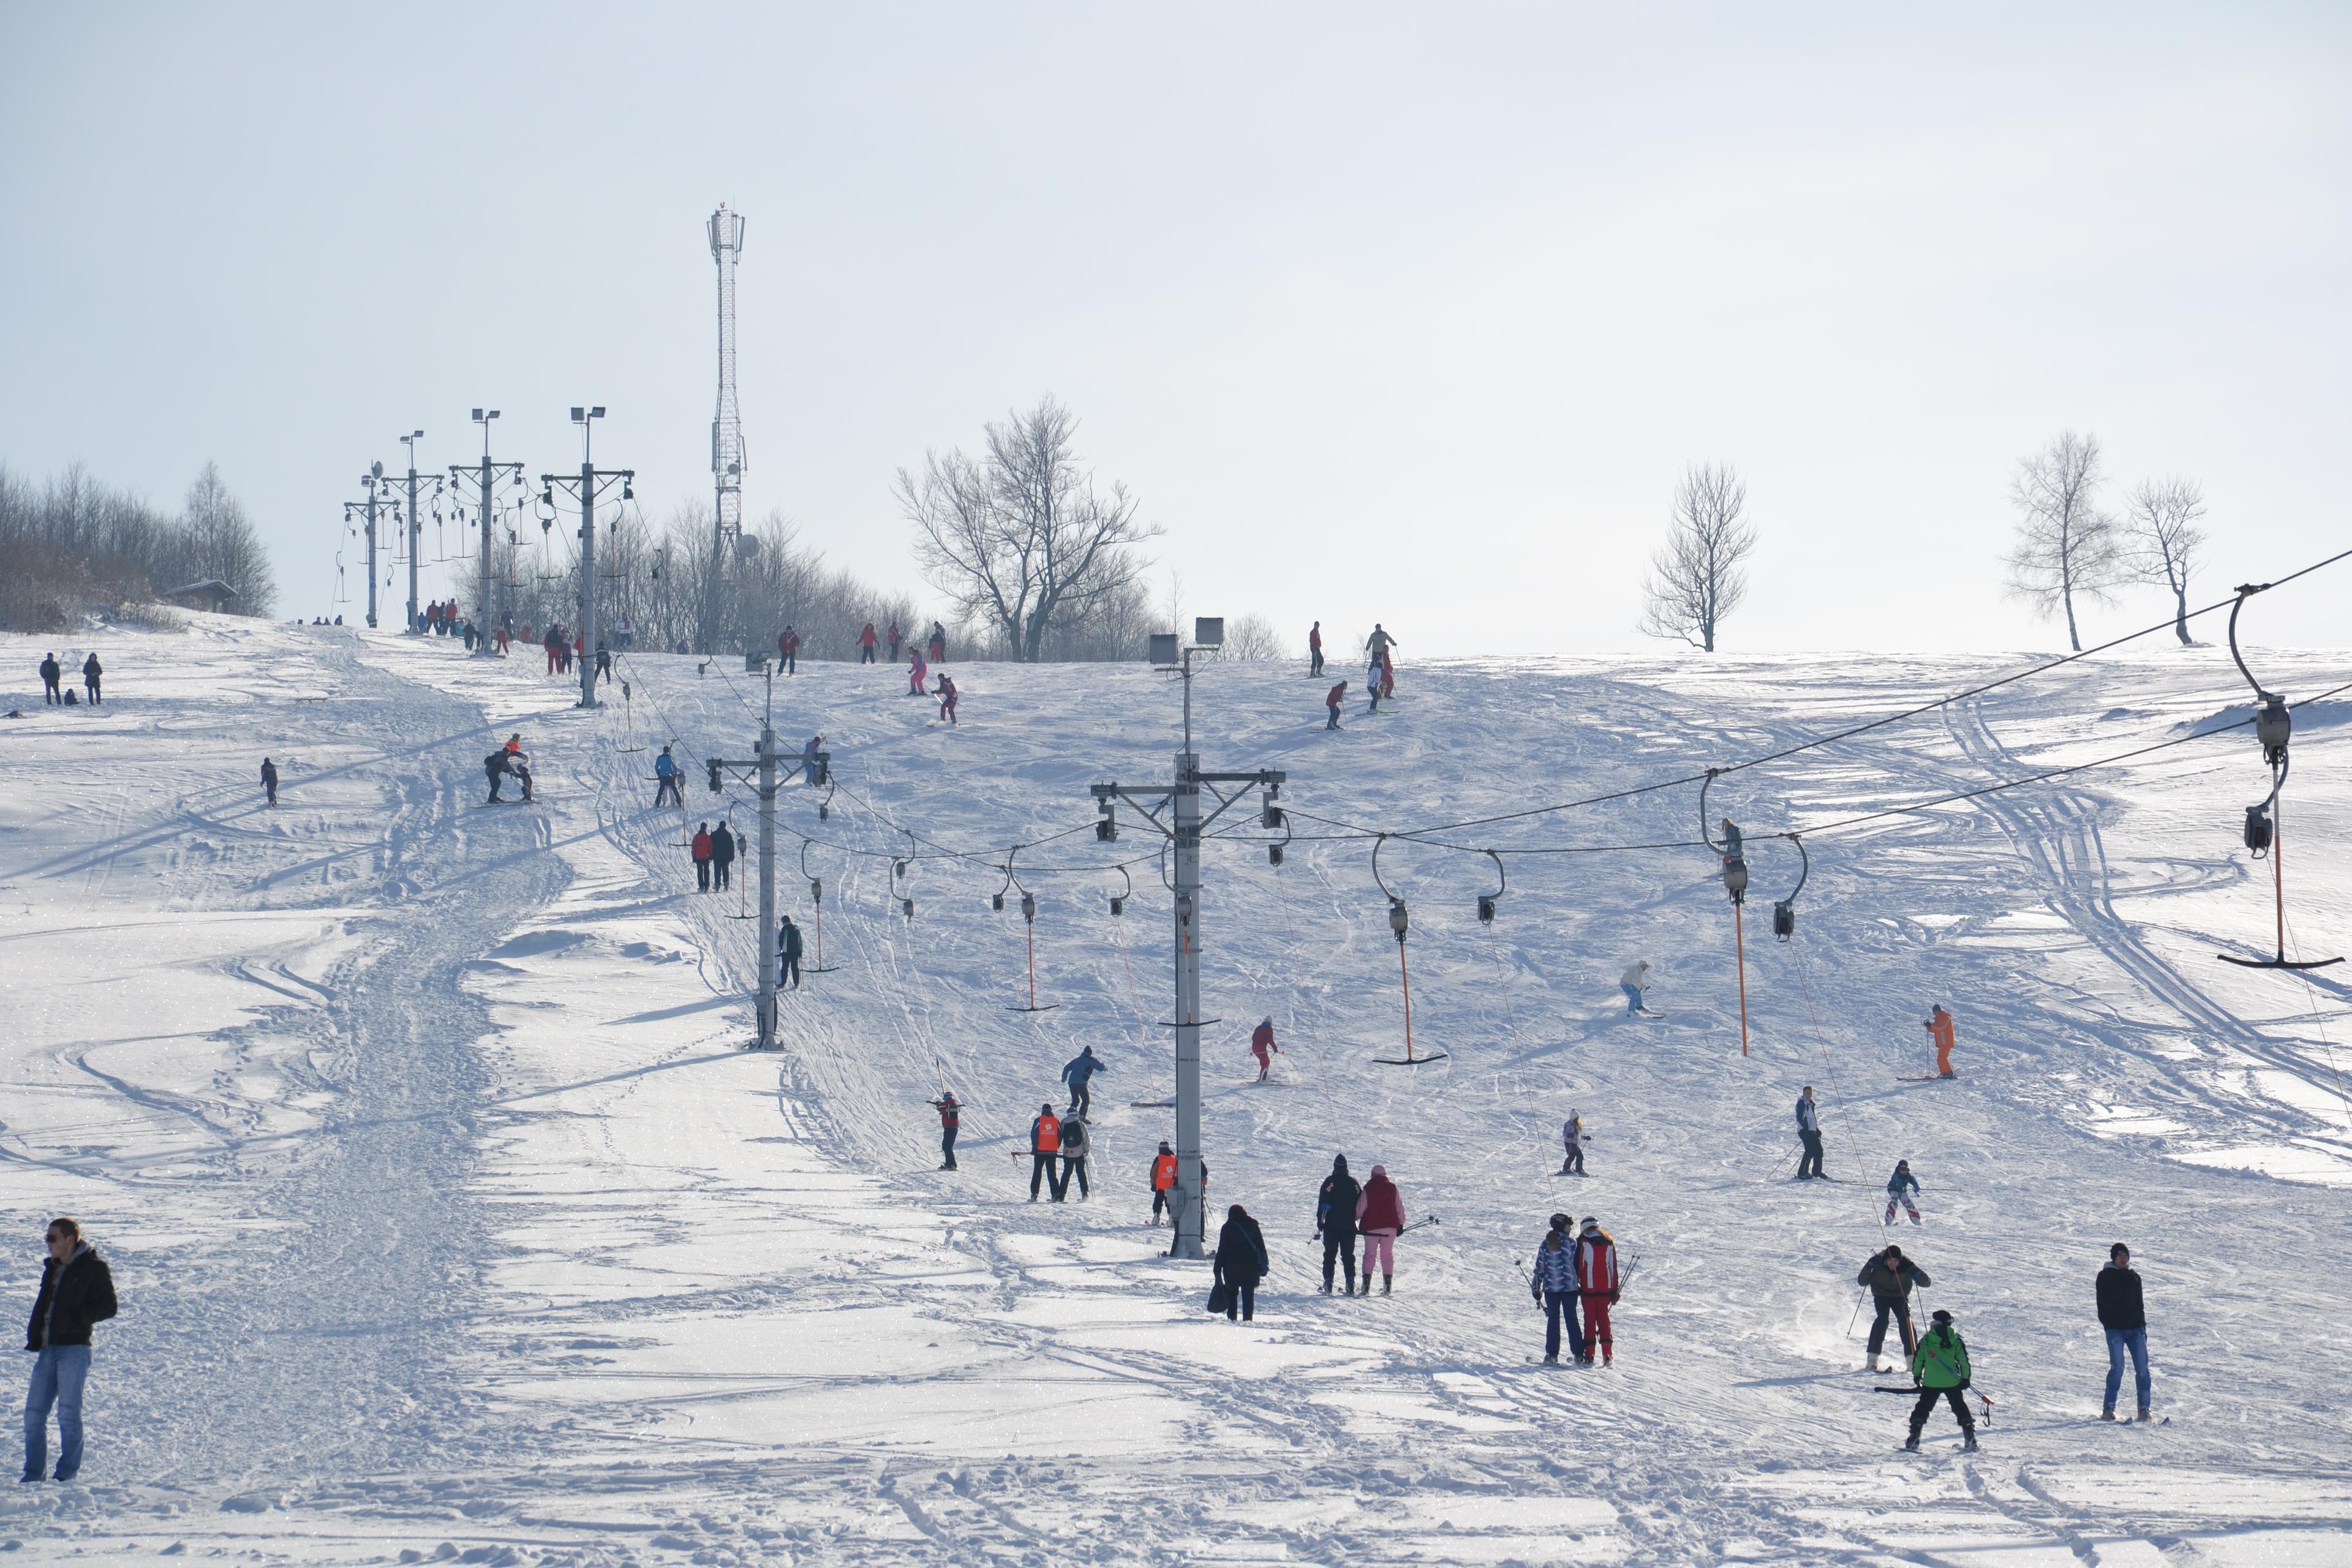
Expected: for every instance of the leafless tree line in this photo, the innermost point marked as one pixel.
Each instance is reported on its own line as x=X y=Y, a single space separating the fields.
x=2068 y=547
x=71 y=546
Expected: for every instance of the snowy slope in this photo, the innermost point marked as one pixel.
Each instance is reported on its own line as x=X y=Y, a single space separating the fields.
x=445 y=1209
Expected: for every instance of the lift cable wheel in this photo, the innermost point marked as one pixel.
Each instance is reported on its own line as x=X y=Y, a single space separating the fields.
x=1399 y=923
x=2273 y=727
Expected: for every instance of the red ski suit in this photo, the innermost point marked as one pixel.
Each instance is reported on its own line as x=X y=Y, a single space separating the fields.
x=1595 y=1264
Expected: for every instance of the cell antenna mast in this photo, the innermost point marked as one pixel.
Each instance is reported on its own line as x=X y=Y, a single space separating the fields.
x=726 y=229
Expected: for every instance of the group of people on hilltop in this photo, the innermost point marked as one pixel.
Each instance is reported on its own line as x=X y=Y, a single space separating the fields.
x=442 y=618
x=1379 y=669
x=53 y=690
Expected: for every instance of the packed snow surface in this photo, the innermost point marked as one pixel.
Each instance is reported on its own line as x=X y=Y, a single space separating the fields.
x=452 y=1222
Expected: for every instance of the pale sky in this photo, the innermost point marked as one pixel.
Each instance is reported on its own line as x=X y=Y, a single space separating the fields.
x=1412 y=313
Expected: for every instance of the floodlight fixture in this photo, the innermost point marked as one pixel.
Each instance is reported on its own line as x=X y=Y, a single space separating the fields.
x=1208 y=631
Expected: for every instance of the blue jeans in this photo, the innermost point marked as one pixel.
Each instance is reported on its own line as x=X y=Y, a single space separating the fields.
x=2118 y=1341
x=1559 y=1304
x=1633 y=998
x=59 y=1373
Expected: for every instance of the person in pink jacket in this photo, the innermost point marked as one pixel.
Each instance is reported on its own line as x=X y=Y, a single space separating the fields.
x=1380 y=1216
x=916 y=671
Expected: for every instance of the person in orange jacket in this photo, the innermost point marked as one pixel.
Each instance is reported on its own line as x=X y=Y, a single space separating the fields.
x=1045 y=1143
x=703 y=849
x=1163 y=1179
x=1939 y=1029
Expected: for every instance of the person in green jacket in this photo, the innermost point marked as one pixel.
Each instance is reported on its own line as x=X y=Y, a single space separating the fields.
x=1940 y=1367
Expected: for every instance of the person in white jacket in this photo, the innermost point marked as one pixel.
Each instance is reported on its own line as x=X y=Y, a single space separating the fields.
x=1634 y=982
x=1571 y=1139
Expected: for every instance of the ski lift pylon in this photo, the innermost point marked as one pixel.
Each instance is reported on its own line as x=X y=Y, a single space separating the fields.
x=2273 y=728
x=1400 y=923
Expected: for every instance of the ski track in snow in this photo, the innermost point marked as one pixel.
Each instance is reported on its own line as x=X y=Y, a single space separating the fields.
x=446 y=1209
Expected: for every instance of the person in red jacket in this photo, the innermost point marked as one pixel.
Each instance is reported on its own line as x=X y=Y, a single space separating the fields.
x=703 y=849
x=865 y=645
x=1163 y=1179
x=788 y=650
x=950 y=1119
x=1379 y=1216
x=1262 y=1046
x=1314 y=650
x=1595 y=1266
x=947 y=695
x=1331 y=699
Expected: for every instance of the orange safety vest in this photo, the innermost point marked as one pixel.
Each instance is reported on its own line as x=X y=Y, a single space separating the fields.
x=1049 y=1135
x=1163 y=1172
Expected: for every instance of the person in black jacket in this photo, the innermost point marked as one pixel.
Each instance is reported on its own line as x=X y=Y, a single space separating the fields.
x=722 y=856
x=90 y=671
x=269 y=779
x=2123 y=1315
x=51 y=674
x=1335 y=1221
x=77 y=1291
x=1240 y=1262
x=1891 y=1278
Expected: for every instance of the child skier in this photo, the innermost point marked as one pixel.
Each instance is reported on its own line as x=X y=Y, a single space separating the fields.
x=947 y=696
x=1262 y=1046
x=1332 y=700
x=950 y=1119
x=1940 y=1367
x=1571 y=1139
x=1901 y=1188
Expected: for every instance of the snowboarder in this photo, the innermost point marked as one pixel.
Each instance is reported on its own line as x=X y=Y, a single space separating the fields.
x=1597 y=1285
x=1045 y=1143
x=1335 y=1222
x=702 y=846
x=917 y=670
x=1939 y=1029
x=669 y=781
x=892 y=636
x=89 y=674
x=1081 y=1068
x=1241 y=1263
x=77 y=1291
x=1891 y=1278
x=865 y=646
x=1314 y=650
x=1077 y=1145
x=1809 y=1133
x=269 y=780
x=1163 y=1179
x=1262 y=1046
x=788 y=649
x=1634 y=982
x=1332 y=700
x=722 y=856
x=1941 y=1368
x=947 y=696
x=950 y=1118
x=1902 y=1187
x=2123 y=1313
x=788 y=953
x=1571 y=1139
x=1380 y=1216
x=51 y=676
x=1554 y=1284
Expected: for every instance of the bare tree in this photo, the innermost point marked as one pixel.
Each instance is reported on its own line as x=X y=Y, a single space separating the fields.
x=1697 y=579
x=1251 y=636
x=1021 y=539
x=2160 y=523
x=2067 y=547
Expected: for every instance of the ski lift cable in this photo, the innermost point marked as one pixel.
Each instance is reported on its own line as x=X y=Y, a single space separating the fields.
x=2319 y=1022
x=1865 y=727
x=1829 y=1065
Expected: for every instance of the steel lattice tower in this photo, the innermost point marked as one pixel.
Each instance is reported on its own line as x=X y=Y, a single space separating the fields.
x=726 y=230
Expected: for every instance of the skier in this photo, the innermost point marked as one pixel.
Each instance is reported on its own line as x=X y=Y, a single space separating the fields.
x=50 y=675
x=624 y=630
x=1077 y=1145
x=89 y=674
x=77 y=1291
x=1044 y=1142
x=1902 y=1187
x=722 y=856
x=788 y=953
x=1314 y=650
x=501 y=764
x=2123 y=1313
x=1380 y=1216
x=950 y=1118
x=947 y=696
x=1597 y=1285
x=669 y=781
x=503 y=640
x=1571 y=1139
x=1891 y=1276
x=1939 y=1029
x=1331 y=699
x=1941 y=1368
x=1554 y=1284
x=1241 y=1263
x=1262 y=1046
x=788 y=649
x=1163 y=1179
x=1387 y=676
x=1372 y=683
x=1378 y=644
x=703 y=846
x=939 y=643
x=554 y=646
x=603 y=662
x=916 y=672
x=1335 y=1224
x=865 y=645
x=269 y=780
x=1081 y=1068
x=1634 y=982
x=892 y=637
x=1809 y=1132
x=467 y=631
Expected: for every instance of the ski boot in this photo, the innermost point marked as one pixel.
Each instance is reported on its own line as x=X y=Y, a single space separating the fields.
x=2144 y=1415
x=1968 y=1441
x=2108 y=1413
x=1911 y=1443
x=1385 y=1282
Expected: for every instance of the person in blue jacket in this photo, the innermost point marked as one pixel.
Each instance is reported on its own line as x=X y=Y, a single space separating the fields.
x=670 y=789
x=1902 y=1187
x=1082 y=1069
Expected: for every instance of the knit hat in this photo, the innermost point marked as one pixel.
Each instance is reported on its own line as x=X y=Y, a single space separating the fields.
x=1940 y=1316
x=1593 y=1225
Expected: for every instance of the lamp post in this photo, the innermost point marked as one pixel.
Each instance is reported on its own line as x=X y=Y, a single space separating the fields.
x=488 y=476
x=416 y=531
x=588 y=479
